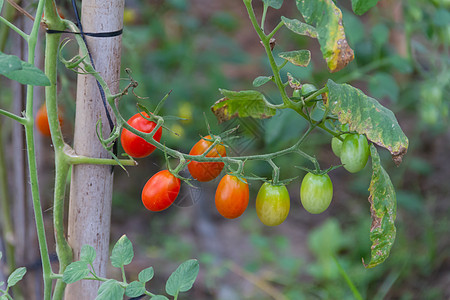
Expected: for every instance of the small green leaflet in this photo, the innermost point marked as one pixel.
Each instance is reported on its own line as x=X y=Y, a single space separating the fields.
x=16 y=276
x=327 y=19
x=274 y=3
x=299 y=27
x=110 y=290
x=260 y=80
x=383 y=209
x=1 y=5
x=366 y=115
x=182 y=279
x=75 y=271
x=361 y=6
x=15 y=69
x=135 y=289
x=242 y=104
x=146 y=275
x=299 y=57
x=122 y=253
x=87 y=254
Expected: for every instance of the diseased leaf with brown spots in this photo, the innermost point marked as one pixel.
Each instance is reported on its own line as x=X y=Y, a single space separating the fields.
x=366 y=115
x=383 y=210
x=242 y=104
x=294 y=82
x=299 y=27
x=327 y=19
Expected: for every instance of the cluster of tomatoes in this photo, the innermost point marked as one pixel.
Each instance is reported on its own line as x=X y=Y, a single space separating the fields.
x=232 y=193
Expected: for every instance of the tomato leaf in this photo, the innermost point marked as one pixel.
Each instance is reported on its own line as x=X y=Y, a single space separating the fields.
x=274 y=3
x=366 y=115
x=383 y=209
x=16 y=276
x=299 y=57
x=294 y=82
x=87 y=254
x=110 y=290
x=14 y=68
x=242 y=104
x=146 y=275
x=75 y=271
x=122 y=253
x=9 y=63
x=135 y=289
x=327 y=19
x=260 y=80
x=361 y=6
x=182 y=279
x=300 y=28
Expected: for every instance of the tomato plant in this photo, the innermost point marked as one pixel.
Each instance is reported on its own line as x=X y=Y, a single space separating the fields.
x=160 y=191
x=354 y=152
x=206 y=171
x=272 y=204
x=134 y=145
x=42 y=121
x=316 y=192
x=232 y=196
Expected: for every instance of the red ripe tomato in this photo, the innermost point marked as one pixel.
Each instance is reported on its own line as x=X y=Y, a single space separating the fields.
x=206 y=171
x=134 y=145
x=160 y=191
x=232 y=197
x=42 y=121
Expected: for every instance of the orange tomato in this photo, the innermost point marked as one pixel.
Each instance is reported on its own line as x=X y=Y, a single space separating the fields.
x=206 y=171
x=232 y=196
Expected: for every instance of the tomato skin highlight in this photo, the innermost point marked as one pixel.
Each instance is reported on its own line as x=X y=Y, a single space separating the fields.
x=134 y=145
x=232 y=197
x=160 y=191
x=272 y=204
x=206 y=171
x=354 y=152
x=42 y=121
x=316 y=192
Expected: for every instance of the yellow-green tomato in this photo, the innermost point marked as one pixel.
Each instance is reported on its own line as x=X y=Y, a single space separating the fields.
x=316 y=192
x=272 y=204
x=354 y=152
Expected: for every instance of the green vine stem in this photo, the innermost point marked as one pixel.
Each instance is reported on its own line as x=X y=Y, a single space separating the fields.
x=62 y=164
x=31 y=152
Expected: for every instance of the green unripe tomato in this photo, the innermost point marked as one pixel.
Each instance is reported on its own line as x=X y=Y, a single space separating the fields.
x=272 y=204
x=354 y=152
x=336 y=145
x=297 y=94
x=316 y=192
x=307 y=89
